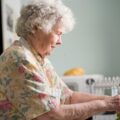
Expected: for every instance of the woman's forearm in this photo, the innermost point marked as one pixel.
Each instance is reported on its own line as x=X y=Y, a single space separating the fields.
x=80 y=110
x=80 y=97
x=84 y=110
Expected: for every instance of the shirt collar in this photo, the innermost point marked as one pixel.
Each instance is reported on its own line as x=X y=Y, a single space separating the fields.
x=26 y=44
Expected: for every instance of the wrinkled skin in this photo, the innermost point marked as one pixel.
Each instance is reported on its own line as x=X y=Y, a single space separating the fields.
x=83 y=110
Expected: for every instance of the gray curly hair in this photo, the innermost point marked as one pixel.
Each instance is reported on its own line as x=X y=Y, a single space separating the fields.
x=44 y=14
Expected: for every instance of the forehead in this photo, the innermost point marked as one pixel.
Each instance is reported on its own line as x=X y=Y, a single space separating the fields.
x=58 y=27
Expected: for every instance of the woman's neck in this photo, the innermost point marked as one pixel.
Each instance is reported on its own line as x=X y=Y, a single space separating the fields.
x=33 y=44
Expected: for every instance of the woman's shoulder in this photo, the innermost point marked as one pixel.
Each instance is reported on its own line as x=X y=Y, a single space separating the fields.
x=14 y=51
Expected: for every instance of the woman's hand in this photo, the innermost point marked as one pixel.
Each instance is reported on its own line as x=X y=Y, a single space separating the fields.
x=117 y=103
x=113 y=103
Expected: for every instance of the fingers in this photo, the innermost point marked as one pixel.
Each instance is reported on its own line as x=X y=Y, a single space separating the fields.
x=116 y=101
x=113 y=103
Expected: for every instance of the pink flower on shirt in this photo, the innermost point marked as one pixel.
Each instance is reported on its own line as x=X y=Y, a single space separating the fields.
x=5 y=104
x=37 y=78
x=42 y=95
x=21 y=69
x=54 y=102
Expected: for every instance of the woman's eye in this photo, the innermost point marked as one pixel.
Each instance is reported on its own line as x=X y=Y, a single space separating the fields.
x=59 y=33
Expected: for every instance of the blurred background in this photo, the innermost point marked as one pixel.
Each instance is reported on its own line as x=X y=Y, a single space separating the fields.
x=93 y=45
x=91 y=49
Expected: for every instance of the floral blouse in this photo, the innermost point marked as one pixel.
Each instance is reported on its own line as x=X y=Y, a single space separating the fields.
x=29 y=86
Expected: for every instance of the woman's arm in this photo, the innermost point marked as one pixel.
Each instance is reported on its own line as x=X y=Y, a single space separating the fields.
x=80 y=97
x=74 y=111
x=83 y=110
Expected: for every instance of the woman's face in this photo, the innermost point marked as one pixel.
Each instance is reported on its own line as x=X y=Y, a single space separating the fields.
x=46 y=43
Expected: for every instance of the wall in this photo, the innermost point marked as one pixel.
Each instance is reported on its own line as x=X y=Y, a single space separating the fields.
x=1 y=36
x=10 y=12
x=94 y=43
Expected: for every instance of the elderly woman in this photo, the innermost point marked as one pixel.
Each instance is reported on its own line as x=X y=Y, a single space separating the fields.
x=30 y=89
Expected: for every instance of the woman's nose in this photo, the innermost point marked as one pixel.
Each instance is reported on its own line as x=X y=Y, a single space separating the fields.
x=59 y=41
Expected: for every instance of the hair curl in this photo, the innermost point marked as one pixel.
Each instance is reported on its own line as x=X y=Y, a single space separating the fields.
x=44 y=14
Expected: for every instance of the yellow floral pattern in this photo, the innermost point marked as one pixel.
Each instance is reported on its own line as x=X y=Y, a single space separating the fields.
x=28 y=88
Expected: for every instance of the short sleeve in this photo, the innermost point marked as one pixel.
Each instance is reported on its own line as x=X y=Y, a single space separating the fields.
x=65 y=90
x=61 y=85
x=28 y=90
